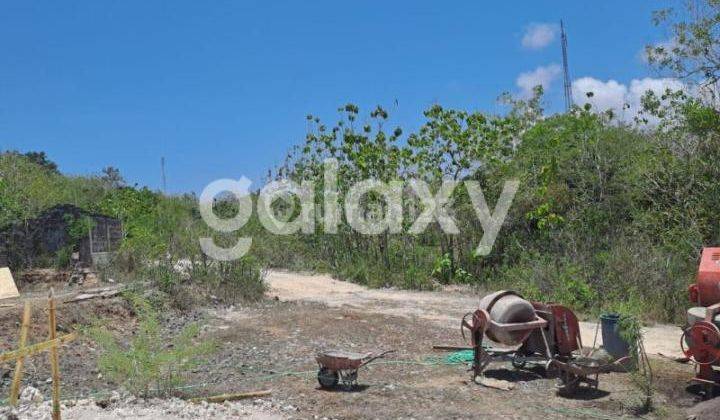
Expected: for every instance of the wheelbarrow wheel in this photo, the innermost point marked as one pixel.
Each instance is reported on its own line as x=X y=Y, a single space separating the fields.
x=327 y=378
x=568 y=384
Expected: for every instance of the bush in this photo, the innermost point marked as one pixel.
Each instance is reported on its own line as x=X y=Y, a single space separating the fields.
x=150 y=364
x=164 y=275
x=571 y=289
x=231 y=281
x=641 y=375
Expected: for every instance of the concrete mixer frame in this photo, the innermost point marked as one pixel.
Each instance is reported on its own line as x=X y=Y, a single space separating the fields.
x=481 y=324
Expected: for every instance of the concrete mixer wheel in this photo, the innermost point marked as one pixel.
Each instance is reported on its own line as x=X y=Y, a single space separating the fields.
x=703 y=343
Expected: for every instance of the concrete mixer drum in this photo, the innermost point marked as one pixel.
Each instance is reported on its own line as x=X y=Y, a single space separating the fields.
x=507 y=307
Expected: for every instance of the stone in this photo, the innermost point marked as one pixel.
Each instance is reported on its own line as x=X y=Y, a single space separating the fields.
x=31 y=394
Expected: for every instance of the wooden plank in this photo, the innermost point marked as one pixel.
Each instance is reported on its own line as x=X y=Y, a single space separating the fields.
x=102 y=294
x=8 y=289
x=17 y=377
x=54 y=362
x=231 y=397
x=500 y=384
x=451 y=348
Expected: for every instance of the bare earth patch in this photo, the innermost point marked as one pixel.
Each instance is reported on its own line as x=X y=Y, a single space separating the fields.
x=444 y=308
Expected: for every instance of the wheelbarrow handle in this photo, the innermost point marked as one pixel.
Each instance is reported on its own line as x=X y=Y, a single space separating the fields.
x=381 y=355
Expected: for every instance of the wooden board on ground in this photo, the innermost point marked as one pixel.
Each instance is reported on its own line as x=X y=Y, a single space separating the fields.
x=8 y=289
x=106 y=292
x=231 y=397
x=495 y=383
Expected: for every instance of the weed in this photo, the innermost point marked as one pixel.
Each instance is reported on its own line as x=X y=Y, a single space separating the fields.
x=150 y=364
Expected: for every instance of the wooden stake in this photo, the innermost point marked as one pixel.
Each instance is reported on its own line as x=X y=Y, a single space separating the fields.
x=231 y=397
x=17 y=378
x=52 y=324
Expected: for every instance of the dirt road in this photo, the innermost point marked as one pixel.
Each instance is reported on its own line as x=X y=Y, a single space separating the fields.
x=444 y=308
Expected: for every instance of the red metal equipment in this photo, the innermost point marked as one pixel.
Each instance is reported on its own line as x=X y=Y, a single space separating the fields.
x=701 y=339
x=706 y=291
x=550 y=339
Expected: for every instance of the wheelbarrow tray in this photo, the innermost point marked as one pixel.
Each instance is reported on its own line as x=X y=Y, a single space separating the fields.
x=341 y=360
x=587 y=366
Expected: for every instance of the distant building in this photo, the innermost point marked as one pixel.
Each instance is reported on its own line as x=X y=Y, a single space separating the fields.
x=39 y=241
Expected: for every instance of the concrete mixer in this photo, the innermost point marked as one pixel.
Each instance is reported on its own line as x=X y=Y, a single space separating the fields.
x=530 y=332
x=701 y=338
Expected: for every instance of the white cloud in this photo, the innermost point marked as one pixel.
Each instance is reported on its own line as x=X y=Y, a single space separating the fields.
x=543 y=76
x=539 y=35
x=623 y=100
x=605 y=95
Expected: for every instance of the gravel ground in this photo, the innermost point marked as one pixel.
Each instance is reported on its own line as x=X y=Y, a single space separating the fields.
x=117 y=407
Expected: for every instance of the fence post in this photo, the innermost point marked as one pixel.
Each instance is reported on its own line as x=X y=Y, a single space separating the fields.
x=17 y=377
x=52 y=324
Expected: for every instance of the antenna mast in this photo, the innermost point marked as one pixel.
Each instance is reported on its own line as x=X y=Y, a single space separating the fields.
x=566 y=74
x=162 y=172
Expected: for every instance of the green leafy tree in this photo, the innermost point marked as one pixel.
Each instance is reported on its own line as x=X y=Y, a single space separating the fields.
x=693 y=50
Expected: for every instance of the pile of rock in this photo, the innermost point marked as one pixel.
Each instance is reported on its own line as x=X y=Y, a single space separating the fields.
x=83 y=276
x=78 y=275
x=43 y=276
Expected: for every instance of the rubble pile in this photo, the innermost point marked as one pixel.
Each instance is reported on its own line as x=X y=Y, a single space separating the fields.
x=43 y=276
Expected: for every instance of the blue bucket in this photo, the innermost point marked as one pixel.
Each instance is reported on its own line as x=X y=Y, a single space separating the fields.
x=612 y=341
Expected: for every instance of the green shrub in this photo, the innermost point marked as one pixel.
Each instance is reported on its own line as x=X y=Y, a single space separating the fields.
x=641 y=376
x=232 y=281
x=63 y=257
x=150 y=364
x=571 y=289
x=162 y=274
x=442 y=269
x=417 y=278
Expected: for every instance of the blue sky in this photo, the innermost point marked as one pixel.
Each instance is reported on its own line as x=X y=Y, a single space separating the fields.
x=221 y=88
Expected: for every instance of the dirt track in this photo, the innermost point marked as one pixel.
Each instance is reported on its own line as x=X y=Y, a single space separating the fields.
x=444 y=308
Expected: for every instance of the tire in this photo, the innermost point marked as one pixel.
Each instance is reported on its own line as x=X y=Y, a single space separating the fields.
x=327 y=378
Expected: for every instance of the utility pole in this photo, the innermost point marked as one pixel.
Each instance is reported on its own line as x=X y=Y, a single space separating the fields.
x=162 y=172
x=566 y=73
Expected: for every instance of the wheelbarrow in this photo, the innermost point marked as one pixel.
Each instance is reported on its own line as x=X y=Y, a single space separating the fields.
x=579 y=370
x=342 y=366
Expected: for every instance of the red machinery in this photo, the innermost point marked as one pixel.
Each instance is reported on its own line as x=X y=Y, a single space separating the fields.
x=701 y=339
x=550 y=339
